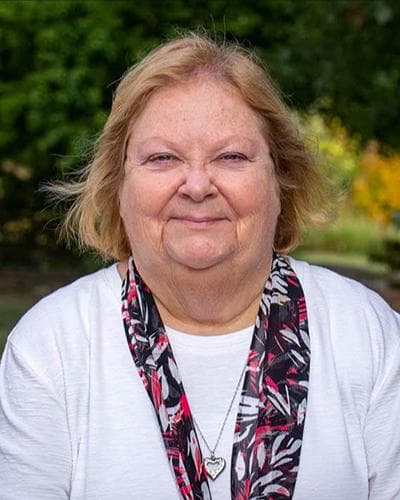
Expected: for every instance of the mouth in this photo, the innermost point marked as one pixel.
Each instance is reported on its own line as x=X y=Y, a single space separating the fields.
x=198 y=221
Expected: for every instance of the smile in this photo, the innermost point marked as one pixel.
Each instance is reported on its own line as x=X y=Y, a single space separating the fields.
x=198 y=222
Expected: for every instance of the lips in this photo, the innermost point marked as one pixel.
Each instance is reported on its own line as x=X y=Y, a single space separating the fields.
x=198 y=220
x=191 y=218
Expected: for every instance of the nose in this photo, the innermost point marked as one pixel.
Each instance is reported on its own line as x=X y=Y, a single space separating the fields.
x=198 y=183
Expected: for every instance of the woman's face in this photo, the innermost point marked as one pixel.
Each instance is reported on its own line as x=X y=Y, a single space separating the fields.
x=199 y=187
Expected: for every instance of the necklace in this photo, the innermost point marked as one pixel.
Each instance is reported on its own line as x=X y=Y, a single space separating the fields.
x=282 y=307
x=215 y=465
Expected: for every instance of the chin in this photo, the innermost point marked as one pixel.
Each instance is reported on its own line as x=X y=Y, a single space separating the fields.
x=198 y=261
x=199 y=256
x=199 y=264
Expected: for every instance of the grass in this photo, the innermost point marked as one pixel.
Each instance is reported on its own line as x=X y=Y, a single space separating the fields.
x=349 y=235
x=12 y=307
x=357 y=260
x=352 y=240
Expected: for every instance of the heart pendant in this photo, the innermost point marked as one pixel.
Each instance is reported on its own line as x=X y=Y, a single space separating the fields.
x=214 y=466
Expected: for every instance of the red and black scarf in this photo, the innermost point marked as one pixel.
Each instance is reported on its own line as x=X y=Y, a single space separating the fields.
x=270 y=420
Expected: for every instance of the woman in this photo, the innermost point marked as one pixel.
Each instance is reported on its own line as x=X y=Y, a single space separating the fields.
x=233 y=371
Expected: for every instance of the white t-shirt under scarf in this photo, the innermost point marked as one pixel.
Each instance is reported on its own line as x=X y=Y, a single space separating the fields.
x=210 y=368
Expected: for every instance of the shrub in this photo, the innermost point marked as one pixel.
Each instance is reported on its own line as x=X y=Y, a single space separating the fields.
x=377 y=189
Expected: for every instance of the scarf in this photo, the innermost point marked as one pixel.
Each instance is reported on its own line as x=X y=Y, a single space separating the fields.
x=270 y=419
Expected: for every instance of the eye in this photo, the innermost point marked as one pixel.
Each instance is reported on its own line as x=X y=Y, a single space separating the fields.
x=232 y=157
x=161 y=157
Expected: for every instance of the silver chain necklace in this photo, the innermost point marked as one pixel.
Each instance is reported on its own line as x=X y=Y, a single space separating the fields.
x=215 y=465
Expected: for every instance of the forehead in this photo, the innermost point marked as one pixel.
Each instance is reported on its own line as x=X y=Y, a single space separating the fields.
x=199 y=107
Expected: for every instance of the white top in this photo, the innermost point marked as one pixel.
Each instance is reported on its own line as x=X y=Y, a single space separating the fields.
x=210 y=368
x=76 y=421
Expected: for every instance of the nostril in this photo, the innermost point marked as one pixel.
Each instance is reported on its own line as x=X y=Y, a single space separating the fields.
x=198 y=185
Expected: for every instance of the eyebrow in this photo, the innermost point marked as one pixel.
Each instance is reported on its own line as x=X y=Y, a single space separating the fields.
x=219 y=144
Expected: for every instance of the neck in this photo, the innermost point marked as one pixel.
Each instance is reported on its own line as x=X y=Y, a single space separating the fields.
x=207 y=302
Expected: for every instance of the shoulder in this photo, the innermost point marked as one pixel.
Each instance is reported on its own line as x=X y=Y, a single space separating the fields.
x=330 y=290
x=67 y=312
x=347 y=319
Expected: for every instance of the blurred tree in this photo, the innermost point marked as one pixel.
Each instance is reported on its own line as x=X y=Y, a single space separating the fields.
x=60 y=62
x=377 y=189
x=337 y=153
x=341 y=58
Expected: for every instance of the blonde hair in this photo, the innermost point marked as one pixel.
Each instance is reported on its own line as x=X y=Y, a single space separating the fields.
x=93 y=219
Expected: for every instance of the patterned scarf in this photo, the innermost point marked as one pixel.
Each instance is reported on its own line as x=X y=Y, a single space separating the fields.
x=270 y=419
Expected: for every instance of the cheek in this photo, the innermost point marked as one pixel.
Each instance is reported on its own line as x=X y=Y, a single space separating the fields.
x=274 y=199
x=141 y=209
x=257 y=195
x=136 y=199
x=125 y=202
x=132 y=209
x=270 y=194
x=146 y=194
x=142 y=234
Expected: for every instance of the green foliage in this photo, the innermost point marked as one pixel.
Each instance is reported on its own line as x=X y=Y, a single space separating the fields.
x=337 y=153
x=12 y=307
x=376 y=189
x=389 y=253
x=61 y=60
x=341 y=58
x=353 y=234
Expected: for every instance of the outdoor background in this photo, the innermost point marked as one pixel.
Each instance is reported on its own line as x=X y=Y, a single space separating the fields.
x=337 y=63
